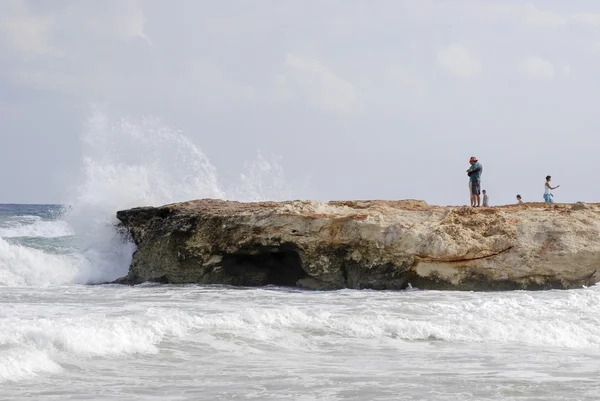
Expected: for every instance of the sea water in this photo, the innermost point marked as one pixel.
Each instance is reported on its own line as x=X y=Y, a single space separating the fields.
x=63 y=337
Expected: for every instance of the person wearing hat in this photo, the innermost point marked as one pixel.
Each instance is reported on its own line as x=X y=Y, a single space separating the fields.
x=474 y=173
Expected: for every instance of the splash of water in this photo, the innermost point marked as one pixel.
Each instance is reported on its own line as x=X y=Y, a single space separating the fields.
x=262 y=179
x=128 y=163
x=131 y=163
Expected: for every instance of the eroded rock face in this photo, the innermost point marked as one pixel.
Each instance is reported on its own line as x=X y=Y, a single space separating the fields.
x=365 y=244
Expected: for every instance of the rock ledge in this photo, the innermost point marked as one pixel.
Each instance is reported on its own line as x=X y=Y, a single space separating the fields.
x=382 y=245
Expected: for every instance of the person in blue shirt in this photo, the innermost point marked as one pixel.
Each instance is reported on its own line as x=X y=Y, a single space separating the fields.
x=474 y=173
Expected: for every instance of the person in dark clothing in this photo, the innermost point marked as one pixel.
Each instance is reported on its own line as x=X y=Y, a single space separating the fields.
x=474 y=173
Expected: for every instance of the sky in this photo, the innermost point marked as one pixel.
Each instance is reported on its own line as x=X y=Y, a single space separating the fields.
x=383 y=99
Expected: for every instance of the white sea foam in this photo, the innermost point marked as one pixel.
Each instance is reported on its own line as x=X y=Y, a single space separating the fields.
x=234 y=323
x=34 y=226
x=20 y=265
x=89 y=336
x=19 y=364
x=30 y=343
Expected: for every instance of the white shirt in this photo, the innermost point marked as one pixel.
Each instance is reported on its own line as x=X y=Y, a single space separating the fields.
x=546 y=188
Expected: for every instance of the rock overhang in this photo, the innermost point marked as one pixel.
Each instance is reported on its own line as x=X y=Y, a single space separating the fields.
x=365 y=244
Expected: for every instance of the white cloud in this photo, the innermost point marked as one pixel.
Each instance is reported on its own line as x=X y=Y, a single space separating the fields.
x=589 y=19
x=131 y=20
x=210 y=72
x=458 y=60
x=527 y=14
x=120 y=20
x=537 y=67
x=531 y=15
x=25 y=31
x=319 y=86
x=201 y=85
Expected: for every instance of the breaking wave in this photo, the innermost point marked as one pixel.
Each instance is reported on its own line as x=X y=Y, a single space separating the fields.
x=126 y=163
x=282 y=322
x=34 y=226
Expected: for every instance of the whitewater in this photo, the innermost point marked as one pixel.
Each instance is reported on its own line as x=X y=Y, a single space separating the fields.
x=65 y=334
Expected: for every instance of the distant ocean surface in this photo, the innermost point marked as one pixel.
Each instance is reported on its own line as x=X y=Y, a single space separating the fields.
x=63 y=339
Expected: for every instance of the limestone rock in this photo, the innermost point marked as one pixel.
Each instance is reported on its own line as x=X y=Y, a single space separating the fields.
x=580 y=206
x=365 y=244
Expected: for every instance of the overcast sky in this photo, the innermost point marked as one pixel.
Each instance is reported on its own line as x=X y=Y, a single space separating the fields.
x=366 y=99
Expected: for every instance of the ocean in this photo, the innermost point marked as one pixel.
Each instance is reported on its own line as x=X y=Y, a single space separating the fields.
x=64 y=335
x=63 y=339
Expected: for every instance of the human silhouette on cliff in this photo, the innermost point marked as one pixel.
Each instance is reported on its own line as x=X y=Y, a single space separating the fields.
x=474 y=173
x=486 y=199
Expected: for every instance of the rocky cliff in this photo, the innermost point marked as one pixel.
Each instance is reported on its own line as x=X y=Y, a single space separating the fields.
x=365 y=244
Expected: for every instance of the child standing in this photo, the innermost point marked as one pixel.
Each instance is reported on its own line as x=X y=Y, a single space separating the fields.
x=485 y=199
x=547 y=188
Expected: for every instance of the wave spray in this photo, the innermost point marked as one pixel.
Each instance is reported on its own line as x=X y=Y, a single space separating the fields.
x=127 y=163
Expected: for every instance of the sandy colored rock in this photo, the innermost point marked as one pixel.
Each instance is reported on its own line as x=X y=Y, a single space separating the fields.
x=365 y=244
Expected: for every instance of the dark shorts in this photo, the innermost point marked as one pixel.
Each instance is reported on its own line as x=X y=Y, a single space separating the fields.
x=476 y=187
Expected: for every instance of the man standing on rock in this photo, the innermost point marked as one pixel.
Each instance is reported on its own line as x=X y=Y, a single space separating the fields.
x=474 y=173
